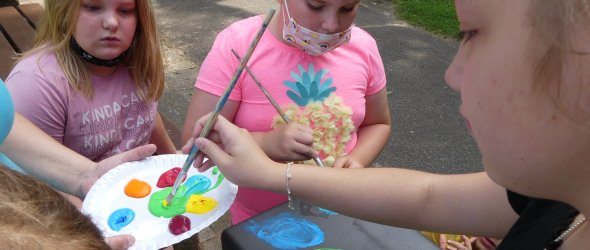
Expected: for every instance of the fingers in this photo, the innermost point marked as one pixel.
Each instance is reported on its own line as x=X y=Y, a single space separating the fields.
x=340 y=162
x=206 y=165
x=442 y=241
x=135 y=154
x=303 y=152
x=214 y=152
x=221 y=127
x=465 y=245
x=303 y=134
x=468 y=242
x=187 y=146
x=107 y=164
x=120 y=241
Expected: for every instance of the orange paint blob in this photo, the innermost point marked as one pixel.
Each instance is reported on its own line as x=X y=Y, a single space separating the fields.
x=137 y=189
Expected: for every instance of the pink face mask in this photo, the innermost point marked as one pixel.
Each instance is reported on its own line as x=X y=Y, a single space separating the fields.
x=312 y=42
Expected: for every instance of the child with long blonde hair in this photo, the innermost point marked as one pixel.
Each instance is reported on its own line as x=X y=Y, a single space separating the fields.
x=94 y=76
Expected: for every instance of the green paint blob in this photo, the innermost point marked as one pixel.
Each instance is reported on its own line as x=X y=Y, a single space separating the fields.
x=177 y=207
x=220 y=178
x=180 y=200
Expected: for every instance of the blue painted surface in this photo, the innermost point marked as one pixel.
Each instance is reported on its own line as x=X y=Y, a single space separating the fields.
x=287 y=231
x=121 y=218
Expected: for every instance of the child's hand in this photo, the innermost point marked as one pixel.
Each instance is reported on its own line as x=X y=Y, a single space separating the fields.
x=235 y=152
x=346 y=161
x=138 y=153
x=120 y=241
x=291 y=142
x=454 y=245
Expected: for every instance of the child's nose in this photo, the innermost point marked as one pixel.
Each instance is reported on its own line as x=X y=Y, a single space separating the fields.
x=110 y=21
x=331 y=24
x=453 y=75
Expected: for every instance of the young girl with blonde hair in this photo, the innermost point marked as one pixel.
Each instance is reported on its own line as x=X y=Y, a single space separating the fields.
x=94 y=76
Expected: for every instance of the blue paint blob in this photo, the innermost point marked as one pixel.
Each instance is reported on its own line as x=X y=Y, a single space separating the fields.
x=197 y=184
x=121 y=218
x=327 y=212
x=286 y=231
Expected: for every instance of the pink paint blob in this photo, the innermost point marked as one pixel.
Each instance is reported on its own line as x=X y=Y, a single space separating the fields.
x=179 y=224
x=168 y=178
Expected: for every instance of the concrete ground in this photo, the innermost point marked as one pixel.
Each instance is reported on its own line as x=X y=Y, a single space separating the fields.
x=428 y=132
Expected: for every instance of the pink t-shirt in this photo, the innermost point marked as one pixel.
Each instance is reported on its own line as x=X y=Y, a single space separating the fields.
x=351 y=72
x=114 y=121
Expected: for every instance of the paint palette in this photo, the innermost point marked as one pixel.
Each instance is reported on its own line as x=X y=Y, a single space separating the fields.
x=127 y=200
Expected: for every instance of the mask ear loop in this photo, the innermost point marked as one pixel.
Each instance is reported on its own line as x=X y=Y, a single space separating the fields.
x=287 y=9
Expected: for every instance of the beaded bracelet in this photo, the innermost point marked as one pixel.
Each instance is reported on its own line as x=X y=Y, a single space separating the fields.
x=288 y=177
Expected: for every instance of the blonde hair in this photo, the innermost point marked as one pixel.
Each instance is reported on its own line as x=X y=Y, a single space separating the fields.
x=144 y=61
x=555 y=24
x=34 y=216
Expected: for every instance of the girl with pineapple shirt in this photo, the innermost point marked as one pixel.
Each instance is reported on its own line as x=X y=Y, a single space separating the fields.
x=324 y=72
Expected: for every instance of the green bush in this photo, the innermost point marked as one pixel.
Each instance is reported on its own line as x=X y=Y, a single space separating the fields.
x=437 y=16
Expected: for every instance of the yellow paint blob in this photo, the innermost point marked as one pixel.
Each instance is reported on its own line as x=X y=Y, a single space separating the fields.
x=198 y=204
x=137 y=189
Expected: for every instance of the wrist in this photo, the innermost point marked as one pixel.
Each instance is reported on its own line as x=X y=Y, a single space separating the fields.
x=85 y=181
x=274 y=179
x=263 y=139
x=288 y=177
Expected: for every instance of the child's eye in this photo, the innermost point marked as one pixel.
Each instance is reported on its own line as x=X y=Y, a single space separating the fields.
x=348 y=9
x=91 y=8
x=315 y=7
x=126 y=11
x=467 y=35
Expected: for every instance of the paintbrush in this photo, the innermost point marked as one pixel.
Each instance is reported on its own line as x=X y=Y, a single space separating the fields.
x=273 y=102
x=218 y=107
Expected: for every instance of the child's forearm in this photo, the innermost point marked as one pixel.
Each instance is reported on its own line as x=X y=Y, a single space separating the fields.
x=45 y=158
x=370 y=142
x=161 y=138
x=261 y=140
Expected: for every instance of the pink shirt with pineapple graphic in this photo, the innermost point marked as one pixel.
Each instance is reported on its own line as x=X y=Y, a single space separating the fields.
x=328 y=90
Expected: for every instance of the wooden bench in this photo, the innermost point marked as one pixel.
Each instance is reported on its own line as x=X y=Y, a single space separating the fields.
x=17 y=24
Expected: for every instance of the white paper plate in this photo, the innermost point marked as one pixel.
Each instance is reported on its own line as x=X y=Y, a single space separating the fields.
x=150 y=232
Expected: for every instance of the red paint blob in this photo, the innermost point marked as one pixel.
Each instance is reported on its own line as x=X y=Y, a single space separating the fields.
x=179 y=224
x=167 y=178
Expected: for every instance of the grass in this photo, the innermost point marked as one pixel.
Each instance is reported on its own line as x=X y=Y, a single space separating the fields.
x=437 y=16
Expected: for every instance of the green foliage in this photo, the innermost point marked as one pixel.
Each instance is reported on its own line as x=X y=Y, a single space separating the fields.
x=437 y=16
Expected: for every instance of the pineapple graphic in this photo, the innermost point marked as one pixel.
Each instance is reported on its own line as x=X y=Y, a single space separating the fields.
x=316 y=105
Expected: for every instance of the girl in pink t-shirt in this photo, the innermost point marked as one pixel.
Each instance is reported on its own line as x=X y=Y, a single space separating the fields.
x=94 y=76
x=324 y=72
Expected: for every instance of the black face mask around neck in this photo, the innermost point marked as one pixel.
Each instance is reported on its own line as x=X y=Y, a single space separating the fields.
x=97 y=61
